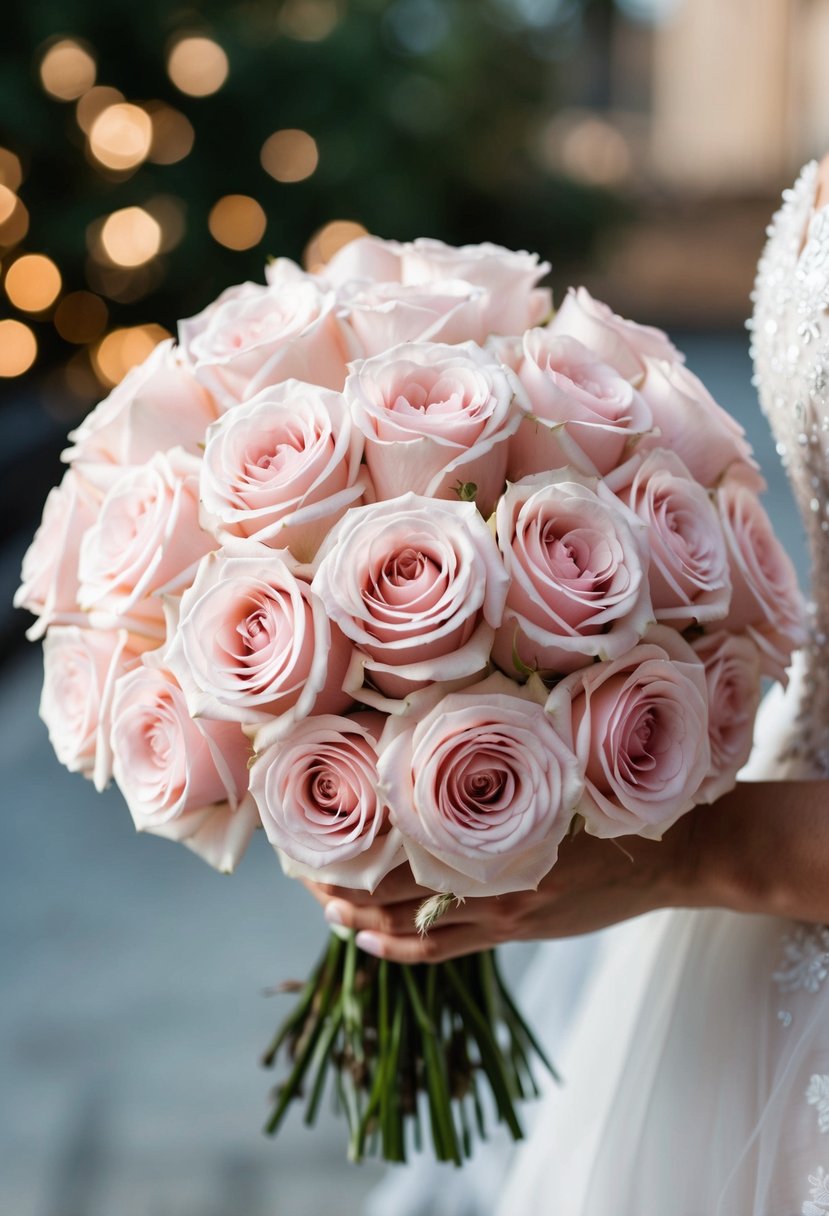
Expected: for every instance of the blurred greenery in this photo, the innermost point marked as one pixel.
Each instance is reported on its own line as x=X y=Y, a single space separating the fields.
x=427 y=115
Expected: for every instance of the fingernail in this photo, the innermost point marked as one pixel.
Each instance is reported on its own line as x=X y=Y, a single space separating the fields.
x=333 y=913
x=371 y=943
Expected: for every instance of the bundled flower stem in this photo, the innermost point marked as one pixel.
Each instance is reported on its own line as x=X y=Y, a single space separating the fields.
x=407 y=1045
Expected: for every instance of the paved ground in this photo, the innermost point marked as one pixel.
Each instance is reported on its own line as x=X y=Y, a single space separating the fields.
x=132 y=1016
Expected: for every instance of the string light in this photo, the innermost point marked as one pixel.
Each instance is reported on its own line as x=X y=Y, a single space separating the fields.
x=81 y=317
x=290 y=155
x=8 y=202
x=122 y=349
x=93 y=103
x=18 y=348
x=328 y=240
x=33 y=282
x=173 y=134
x=121 y=135
x=11 y=171
x=237 y=221
x=130 y=237
x=67 y=70
x=197 y=66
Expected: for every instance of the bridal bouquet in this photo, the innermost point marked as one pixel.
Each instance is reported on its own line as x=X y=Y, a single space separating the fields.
x=395 y=563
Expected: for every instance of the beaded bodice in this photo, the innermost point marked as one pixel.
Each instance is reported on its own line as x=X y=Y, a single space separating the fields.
x=790 y=349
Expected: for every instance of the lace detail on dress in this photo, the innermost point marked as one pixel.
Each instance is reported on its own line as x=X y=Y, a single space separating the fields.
x=818 y=1095
x=818 y=1204
x=790 y=348
x=805 y=962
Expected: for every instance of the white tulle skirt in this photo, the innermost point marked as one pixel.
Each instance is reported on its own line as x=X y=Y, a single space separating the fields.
x=695 y=1064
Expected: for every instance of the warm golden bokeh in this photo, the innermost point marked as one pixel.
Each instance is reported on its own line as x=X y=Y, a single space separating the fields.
x=33 y=282
x=14 y=218
x=309 y=20
x=11 y=170
x=170 y=212
x=130 y=237
x=173 y=134
x=18 y=348
x=290 y=155
x=81 y=317
x=124 y=348
x=67 y=70
x=94 y=103
x=121 y=135
x=328 y=240
x=197 y=66
x=237 y=221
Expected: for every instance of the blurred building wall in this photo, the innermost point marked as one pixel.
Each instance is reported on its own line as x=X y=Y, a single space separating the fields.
x=740 y=93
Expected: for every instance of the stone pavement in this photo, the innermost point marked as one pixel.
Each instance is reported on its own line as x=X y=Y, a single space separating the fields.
x=132 y=1014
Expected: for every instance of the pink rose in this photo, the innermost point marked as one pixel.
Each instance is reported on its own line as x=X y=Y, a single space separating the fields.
x=157 y=406
x=435 y=417
x=253 y=641
x=515 y=302
x=639 y=726
x=613 y=339
x=369 y=259
x=378 y=316
x=689 y=578
x=316 y=789
x=482 y=788
x=733 y=676
x=282 y=468
x=766 y=601
x=580 y=411
x=182 y=779
x=80 y=667
x=145 y=543
x=49 y=578
x=688 y=420
x=254 y=336
x=418 y=586
x=578 y=570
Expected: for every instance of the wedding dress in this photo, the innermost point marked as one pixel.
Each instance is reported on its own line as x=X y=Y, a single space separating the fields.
x=696 y=1059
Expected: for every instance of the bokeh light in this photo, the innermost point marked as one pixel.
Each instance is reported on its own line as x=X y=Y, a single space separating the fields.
x=290 y=155
x=237 y=221
x=14 y=218
x=33 y=282
x=309 y=20
x=328 y=240
x=170 y=212
x=67 y=69
x=18 y=348
x=121 y=135
x=131 y=236
x=121 y=349
x=173 y=134
x=595 y=152
x=81 y=317
x=93 y=103
x=197 y=66
x=11 y=170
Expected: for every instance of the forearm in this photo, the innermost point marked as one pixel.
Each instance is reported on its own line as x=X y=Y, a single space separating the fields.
x=763 y=848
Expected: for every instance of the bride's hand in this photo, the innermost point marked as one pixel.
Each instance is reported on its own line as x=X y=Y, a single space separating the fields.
x=594 y=883
x=763 y=848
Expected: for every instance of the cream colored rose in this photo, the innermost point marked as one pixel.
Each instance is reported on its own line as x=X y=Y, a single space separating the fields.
x=613 y=339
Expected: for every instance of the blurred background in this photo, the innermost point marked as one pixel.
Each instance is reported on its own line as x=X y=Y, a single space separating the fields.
x=152 y=154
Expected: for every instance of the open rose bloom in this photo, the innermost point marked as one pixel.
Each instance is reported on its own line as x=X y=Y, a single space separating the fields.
x=400 y=565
